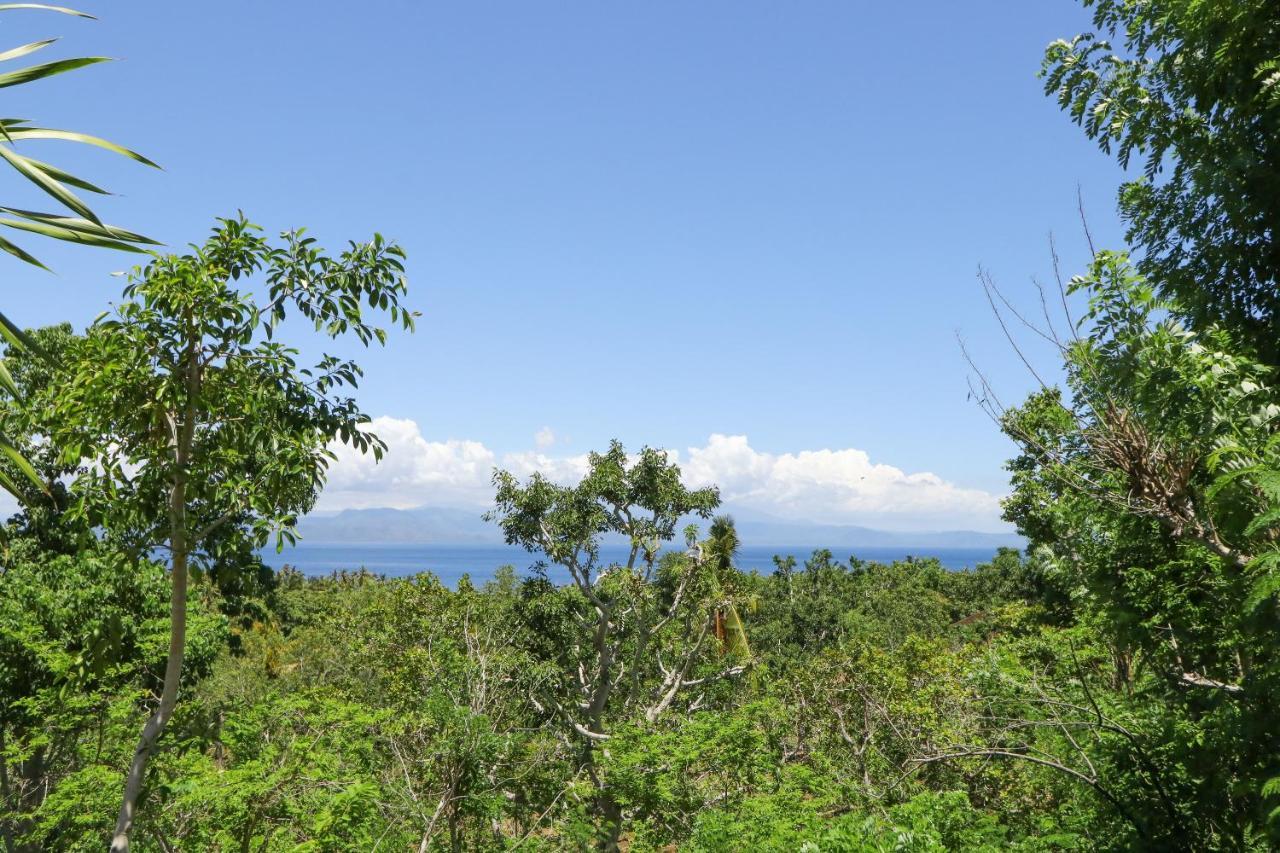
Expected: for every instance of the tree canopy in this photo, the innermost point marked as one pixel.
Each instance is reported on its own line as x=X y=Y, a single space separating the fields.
x=1188 y=94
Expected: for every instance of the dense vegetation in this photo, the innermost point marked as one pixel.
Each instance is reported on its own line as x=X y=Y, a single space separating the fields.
x=353 y=712
x=1115 y=687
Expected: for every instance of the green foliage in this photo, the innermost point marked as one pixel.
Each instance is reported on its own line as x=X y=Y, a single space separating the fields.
x=1148 y=491
x=81 y=635
x=188 y=351
x=361 y=709
x=932 y=822
x=293 y=772
x=1189 y=89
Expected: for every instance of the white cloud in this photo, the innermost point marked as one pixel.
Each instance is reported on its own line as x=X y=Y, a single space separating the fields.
x=836 y=487
x=417 y=472
x=544 y=438
x=841 y=486
x=563 y=469
x=413 y=471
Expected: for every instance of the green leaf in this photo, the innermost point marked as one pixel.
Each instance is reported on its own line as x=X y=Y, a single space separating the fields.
x=1269 y=584
x=1263 y=521
x=20 y=253
x=15 y=336
x=7 y=483
x=6 y=379
x=47 y=69
x=71 y=223
x=1222 y=481
x=24 y=466
x=72 y=136
x=1268 y=480
x=1271 y=787
x=76 y=235
x=59 y=175
x=25 y=49
x=46 y=183
x=1263 y=590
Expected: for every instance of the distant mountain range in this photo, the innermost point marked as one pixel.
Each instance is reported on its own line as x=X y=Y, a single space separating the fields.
x=449 y=526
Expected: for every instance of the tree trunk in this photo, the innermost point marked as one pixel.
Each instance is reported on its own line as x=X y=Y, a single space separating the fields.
x=183 y=439
x=168 y=698
x=610 y=823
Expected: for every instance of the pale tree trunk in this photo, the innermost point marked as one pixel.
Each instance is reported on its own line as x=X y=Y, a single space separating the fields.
x=160 y=719
x=183 y=438
x=168 y=699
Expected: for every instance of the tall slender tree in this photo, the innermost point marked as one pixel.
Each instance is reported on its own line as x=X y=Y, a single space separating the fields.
x=198 y=433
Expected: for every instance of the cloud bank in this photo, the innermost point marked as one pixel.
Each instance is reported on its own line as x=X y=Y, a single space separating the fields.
x=841 y=486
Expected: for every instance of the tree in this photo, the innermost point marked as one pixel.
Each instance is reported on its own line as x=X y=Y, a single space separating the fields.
x=1151 y=488
x=196 y=431
x=720 y=551
x=1194 y=93
x=621 y=642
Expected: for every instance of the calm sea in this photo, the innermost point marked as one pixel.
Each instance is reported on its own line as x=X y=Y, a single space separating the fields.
x=450 y=562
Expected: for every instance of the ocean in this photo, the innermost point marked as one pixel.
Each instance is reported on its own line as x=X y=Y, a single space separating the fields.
x=450 y=562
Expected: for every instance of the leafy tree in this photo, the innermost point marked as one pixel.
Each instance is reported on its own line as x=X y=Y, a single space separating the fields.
x=1148 y=488
x=1192 y=91
x=622 y=642
x=189 y=420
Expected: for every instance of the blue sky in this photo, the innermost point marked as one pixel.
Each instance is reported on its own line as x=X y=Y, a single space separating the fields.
x=658 y=222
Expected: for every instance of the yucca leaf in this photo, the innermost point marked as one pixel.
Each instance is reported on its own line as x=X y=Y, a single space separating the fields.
x=84 y=238
x=72 y=136
x=15 y=336
x=59 y=175
x=83 y=226
x=62 y=10
x=24 y=466
x=22 y=255
x=48 y=69
x=7 y=123
x=14 y=53
x=46 y=183
x=7 y=483
x=6 y=379
x=71 y=223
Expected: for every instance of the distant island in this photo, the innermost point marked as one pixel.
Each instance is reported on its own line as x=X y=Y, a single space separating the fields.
x=456 y=526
